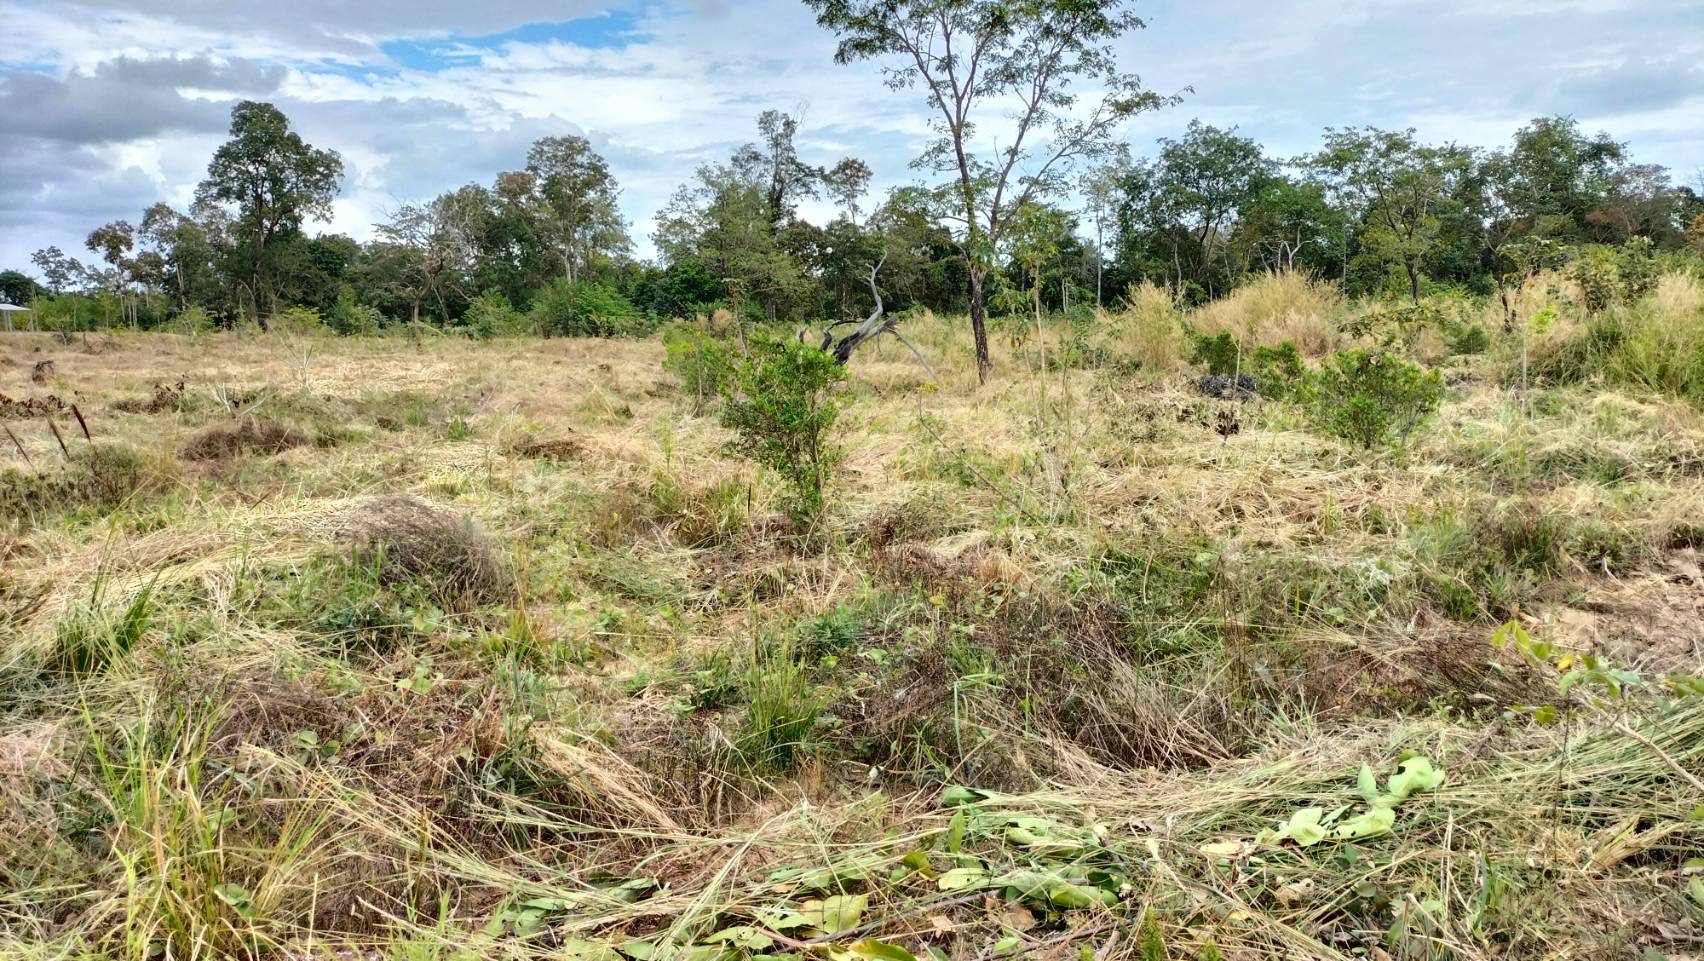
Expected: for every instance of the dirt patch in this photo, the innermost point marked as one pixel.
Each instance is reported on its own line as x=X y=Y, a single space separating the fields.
x=411 y=540
x=31 y=406
x=251 y=435
x=1651 y=620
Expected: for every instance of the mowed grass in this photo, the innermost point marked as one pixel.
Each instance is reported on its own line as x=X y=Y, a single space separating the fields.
x=446 y=649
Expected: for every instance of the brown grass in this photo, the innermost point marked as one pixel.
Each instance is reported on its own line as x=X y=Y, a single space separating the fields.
x=411 y=540
x=248 y=435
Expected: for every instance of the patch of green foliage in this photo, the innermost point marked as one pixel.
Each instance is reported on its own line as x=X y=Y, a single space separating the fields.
x=703 y=362
x=782 y=403
x=1371 y=397
x=584 y=309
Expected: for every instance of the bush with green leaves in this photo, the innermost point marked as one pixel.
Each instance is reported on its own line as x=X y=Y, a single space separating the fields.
x=703 y=362
x=1371 y=397
x=350 y=316
x=1278 y=371
x=1219 y=353
x=781 y=401
x=584 y=309
x=491 y=315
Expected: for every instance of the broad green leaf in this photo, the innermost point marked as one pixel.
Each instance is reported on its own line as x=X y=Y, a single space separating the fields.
x=959 y=879
x=1304 y=828
x=782 y=919
x=1414 y=774
x=835 y=914
x=1695 y=887
x=955 y=833
x=1367 y=784
x=956 y=796
x=873 y=950
x=1007 y=943
x=1373 y=823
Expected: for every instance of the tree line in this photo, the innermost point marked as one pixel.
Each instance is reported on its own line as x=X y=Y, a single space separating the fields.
x=1059 y=215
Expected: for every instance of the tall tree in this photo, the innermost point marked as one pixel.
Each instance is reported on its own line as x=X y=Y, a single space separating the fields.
x=977 y=57
x=573 y=200
x=1397 y=186
x=274 y=179
x=59 y=269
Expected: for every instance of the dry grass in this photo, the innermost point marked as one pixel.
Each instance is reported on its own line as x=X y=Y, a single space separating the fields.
x=248 y=435
x=1067 y=585
x=1274 y=308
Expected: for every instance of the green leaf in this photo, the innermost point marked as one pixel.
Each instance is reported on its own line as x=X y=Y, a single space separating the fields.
x=1414 y=774
x=955 y=833
x=1304 y=828
x=835 y=914
x=237 y=896
x=1695 y=887
x=956 y=796
x=1007 y=943
x=1373 y=823
x=870 y=949
x=1367 y=784
x=961 y=879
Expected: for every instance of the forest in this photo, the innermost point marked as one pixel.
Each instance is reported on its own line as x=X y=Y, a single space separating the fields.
x=544 y=249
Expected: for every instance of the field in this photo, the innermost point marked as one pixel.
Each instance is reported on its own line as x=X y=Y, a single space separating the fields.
x=429 y=648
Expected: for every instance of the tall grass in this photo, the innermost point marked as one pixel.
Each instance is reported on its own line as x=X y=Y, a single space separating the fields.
x=1274 y=308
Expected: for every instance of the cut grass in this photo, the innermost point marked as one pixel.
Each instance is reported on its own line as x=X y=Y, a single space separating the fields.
x=1140 y=640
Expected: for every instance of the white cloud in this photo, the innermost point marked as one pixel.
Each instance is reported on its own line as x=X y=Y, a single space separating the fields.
x=117 y=103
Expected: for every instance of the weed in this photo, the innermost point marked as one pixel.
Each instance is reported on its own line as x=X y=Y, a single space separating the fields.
x=783 y=406
x=1371 y=398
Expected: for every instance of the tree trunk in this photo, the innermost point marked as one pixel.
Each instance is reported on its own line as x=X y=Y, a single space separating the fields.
x=1413 y=279
x=979 y=325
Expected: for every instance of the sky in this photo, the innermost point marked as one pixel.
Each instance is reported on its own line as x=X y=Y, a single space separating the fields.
x=107 y=106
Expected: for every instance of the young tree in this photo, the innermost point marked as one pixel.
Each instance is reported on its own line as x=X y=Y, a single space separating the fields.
x=847 y=182
x=430 y=249
x=1100 y=186
x=973 y=58
x=275 y=180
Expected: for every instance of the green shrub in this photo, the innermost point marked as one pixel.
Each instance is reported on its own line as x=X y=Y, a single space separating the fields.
x=298 y=320
x=781 y=401
x=1218 y=353
x=1278 y=371
x=491 y=315
x=1371 y=397
x=350 y=316
x=703 y=362
x=1469 y=339
x=584 y=309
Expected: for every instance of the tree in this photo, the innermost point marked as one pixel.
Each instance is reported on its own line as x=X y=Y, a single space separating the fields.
x=58 y=268
x=722 y=220
x=1397 y=188
x=847 y=182
x=16 y=287
x=572 y=198
x=973 y=57
x=432 y=250
x=1100 y=186
x=274 y=179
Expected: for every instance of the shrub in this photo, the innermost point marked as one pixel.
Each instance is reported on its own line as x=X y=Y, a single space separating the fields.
x=703 y=362
x=584 y=309
x=491 y=315
x=350 y=316
x=1368 y=397
x=1219 y=352
x=1278 y=371
x=298 y=320
x=781 y=402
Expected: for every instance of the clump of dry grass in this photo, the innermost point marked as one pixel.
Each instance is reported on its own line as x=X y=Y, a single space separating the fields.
x=408 y=539
x=1148 y=328
x=1274 y=308
x=249 y=435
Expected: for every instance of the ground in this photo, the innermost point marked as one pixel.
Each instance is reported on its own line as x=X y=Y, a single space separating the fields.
x=431 y=648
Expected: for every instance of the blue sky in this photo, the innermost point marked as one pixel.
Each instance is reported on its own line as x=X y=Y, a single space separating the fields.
x=109 y=105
